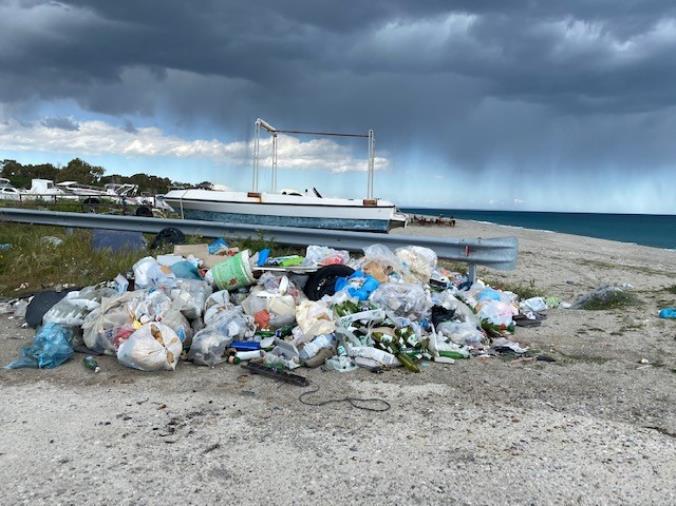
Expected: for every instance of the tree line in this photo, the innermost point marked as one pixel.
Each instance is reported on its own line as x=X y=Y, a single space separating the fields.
x=20 y=176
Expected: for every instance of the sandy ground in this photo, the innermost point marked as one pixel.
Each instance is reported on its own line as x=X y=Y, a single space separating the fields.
x=595 y=427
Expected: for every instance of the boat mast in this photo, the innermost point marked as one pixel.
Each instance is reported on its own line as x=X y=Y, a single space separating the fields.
x=274 y=132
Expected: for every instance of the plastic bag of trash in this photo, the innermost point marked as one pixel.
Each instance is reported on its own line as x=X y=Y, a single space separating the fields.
x=381 y=263
x=190 y=296
x=461 y=333
x=314 y=319
x=153 y=347
x=404 y=299
x=533 y=304
x=496 y=313
x=112 y=322
x=461 y=311
x=233 y=323
x=208 y=347
x=175 y=320
x=75 y=306
x=419 y=261
x=51 y=347
x=148 y=273
x=320 y=256
x=148 y=306
x=219 y=298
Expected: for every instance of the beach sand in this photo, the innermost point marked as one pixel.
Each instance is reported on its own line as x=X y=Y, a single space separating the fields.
x=598 y=426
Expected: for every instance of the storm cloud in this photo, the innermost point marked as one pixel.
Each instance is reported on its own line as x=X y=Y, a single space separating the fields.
x=518 y=89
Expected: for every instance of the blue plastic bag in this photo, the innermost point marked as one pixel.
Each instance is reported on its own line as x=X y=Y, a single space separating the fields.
x=51 y=348
x=668 y=312
x=216 y=246
x=360 y=285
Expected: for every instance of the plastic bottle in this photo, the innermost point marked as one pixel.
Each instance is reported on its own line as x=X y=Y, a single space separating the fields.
x=311 y=348
x=90 y=363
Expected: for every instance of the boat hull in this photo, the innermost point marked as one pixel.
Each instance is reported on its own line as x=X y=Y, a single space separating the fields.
x=282 y=210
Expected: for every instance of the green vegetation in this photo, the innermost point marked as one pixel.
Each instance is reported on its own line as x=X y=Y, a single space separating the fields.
x=671 y=289
x=31 y=265
x=524 y=291
x=78 y=170
x=615 y=299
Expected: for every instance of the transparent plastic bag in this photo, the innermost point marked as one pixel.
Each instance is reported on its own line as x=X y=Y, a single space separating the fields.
x=153 y=347
x=75 y=306
x=112 y=322
x=233 y=324
x=190 y=296
x=320 y=256
x=419 y=261
x=404 y=299
x=381 y=263
x=208 y=347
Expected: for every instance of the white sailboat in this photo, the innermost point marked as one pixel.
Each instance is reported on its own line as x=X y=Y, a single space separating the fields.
x=289 y=208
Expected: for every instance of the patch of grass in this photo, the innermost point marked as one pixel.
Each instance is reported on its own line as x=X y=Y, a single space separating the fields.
x=632 y=268
x=615 y=299
x=31 y=265
x=671 y=289
x=524 y=291
x=453 y=266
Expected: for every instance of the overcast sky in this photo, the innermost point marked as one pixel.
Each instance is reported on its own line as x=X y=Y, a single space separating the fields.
x=503 y=104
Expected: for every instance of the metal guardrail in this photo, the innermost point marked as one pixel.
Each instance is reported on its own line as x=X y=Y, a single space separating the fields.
x=498 y=253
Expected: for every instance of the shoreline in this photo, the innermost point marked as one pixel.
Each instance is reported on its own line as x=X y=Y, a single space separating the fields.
x=613 y=236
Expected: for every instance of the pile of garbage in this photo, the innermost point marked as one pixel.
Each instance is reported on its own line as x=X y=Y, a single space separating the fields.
x=211 y=304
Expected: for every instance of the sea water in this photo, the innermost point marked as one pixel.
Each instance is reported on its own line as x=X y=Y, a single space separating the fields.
x=658 y=230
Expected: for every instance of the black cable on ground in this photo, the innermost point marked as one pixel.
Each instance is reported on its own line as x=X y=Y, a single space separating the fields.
x=354 y=401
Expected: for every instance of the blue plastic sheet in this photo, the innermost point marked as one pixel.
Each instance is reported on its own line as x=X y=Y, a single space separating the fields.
x=117 y=240
x=186 y=270
x=51 y=348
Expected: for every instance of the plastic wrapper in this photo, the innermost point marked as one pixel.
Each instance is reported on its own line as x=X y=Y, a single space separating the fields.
x=208 y=347
x=148 y=273
x=404 y=299
x=75 y=306
x=320 y=256
x=51 y=347
x=314 y=319
x=358 y=286
x=153 y=347
x=190 y=296
x=419 y=261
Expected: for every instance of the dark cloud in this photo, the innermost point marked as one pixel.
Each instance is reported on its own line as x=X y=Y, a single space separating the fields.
x=62 y=123
x=533 y=85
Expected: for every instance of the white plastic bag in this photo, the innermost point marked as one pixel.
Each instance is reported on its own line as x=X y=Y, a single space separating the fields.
x=420 y=261
x=148 y=273
x=153 y=347
x=314 y=319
